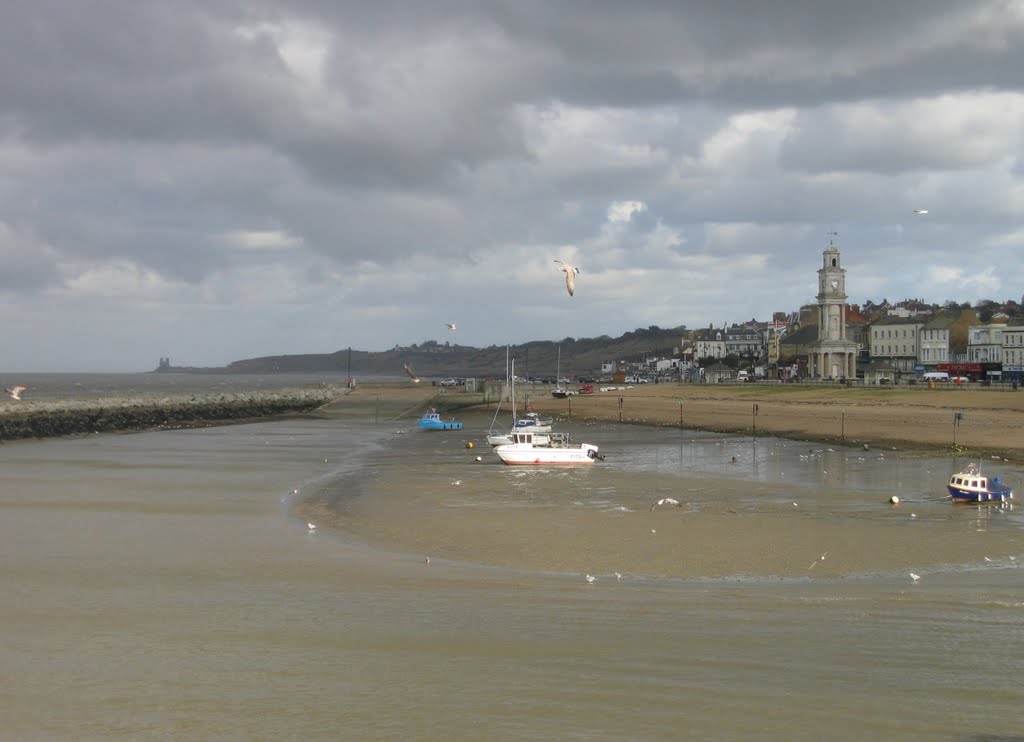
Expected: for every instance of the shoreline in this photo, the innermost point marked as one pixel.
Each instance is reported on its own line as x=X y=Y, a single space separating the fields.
x=906 y=419
x=909 y=419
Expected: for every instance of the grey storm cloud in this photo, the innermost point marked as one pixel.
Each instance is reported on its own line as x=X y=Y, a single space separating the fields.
x=262 y=162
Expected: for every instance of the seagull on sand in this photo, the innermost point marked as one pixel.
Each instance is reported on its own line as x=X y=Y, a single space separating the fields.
x=311 y=527
x=666 y=501
x=450 y=326
x=591 y=578
x=15 y=391
x=408 y=371
x=570 y=275
x=920 y=212
x=914 y=577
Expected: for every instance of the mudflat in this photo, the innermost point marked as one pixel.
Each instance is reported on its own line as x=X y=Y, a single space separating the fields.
x=904 y=417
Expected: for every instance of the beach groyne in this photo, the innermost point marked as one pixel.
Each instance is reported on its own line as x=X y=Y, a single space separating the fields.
x=48 y=419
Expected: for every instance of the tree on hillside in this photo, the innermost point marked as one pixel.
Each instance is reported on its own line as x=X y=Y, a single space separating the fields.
x=958 y=331
x=986 y=308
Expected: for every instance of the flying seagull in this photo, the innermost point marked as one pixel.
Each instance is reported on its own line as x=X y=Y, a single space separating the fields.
x=450 y=326
x=667 y=501
x=15 y=391
x=920 y=212
x=415 y=379
x=570 y=275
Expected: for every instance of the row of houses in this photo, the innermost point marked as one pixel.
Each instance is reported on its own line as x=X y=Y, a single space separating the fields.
x=886 y=347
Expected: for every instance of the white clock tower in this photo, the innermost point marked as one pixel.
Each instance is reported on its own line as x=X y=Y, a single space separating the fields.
x=832 y=356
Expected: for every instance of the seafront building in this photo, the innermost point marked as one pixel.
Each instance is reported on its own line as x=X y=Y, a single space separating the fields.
x=896 y=340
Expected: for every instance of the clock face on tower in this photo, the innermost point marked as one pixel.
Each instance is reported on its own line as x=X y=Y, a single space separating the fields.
x=834 y=283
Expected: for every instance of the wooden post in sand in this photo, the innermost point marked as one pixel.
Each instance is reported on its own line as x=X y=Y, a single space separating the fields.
x=753 y=418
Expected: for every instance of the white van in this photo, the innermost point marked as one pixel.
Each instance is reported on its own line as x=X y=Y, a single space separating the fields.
x=936 y=376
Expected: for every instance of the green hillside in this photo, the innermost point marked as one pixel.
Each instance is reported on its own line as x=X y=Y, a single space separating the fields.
x=582 y=356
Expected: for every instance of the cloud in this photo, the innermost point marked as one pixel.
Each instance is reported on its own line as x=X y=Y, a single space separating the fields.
x=118 y=279
x=273 y=239
x=291 y=175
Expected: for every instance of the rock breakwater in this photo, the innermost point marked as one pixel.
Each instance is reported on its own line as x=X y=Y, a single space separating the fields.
x=27 y=419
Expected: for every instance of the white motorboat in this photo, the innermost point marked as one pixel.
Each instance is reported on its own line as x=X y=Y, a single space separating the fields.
x=525 y=451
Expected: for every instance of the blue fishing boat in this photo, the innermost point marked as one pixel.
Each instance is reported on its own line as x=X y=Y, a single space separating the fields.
x=970 y=485
x=431 y=420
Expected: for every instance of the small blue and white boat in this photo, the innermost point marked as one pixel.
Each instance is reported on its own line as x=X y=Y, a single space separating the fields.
x=970 y=485
x=531 y=422
x=431 y=420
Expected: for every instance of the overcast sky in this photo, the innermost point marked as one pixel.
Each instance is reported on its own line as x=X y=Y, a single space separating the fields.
x=212 y=181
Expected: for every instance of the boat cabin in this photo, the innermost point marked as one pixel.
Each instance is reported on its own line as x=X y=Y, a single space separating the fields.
x=976 y=482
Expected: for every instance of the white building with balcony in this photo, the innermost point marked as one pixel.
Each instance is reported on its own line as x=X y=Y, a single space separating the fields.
x=985 y=343
x=710 y=345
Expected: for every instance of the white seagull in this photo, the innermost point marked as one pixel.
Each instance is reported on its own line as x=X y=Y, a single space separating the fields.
x=920 y=212
x=667 y=501
x=450 y=326
x=311 y=527
x=914 y=577
x=15 y=391
x=570 y=275
x=414 y=377
x=591 y=578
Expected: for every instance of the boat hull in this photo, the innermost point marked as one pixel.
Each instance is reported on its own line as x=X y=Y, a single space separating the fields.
x=440 y=426
x=517 y=454
x=960 y=495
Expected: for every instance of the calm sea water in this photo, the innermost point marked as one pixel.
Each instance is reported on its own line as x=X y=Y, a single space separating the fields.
x=164 y=586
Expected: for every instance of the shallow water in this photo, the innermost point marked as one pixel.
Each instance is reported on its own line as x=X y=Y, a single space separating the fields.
x=164 y=585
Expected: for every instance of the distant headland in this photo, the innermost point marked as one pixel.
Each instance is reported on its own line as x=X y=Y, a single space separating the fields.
x=432 y=359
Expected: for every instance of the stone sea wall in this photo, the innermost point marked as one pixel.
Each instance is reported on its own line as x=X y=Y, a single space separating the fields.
x=46 y=419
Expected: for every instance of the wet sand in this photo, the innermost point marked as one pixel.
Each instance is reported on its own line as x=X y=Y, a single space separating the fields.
x=906 y=418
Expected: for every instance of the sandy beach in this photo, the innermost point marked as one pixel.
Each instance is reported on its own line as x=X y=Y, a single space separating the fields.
x=906 y=418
